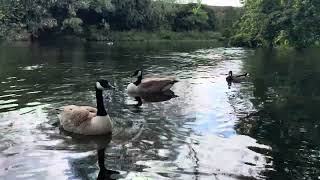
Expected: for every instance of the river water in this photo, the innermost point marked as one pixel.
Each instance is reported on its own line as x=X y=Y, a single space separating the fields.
x=266 y=127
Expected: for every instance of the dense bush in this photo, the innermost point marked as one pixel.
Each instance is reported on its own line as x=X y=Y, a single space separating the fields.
x=285 y=23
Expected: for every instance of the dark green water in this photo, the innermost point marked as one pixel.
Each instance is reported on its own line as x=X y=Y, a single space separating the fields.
x=264 y=128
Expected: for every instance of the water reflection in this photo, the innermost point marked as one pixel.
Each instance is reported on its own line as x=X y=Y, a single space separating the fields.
x=285 y=100
x=155 y=97
x=104 y=173
x=100 y=143
x=188 y=135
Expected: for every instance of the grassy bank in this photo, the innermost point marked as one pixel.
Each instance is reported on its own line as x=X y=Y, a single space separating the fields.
x=132 y=35
x=164 y=35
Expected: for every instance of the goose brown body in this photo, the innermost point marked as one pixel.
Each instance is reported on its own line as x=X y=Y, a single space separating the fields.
x=150 y=85
x=156 y=84
x=84 y=120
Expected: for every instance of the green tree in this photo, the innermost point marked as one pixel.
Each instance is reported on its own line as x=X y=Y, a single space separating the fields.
x=130 y=14
x=278 y=23
x=191 y=17
x=95 y=18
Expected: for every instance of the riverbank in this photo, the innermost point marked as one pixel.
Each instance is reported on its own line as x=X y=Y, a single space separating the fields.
x=127 y=36
x=165 y=35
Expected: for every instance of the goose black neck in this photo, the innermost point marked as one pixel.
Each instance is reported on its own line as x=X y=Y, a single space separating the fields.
x=138 y=80
x=100 y=106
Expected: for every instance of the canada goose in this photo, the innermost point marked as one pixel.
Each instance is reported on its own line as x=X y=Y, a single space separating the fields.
x=87 y=120
x=149 y=85
x=236 y=78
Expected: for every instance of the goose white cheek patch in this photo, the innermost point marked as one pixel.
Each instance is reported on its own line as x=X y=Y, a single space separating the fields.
x=98 y=85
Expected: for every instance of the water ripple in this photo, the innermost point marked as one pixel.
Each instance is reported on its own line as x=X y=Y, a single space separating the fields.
x=190 y=136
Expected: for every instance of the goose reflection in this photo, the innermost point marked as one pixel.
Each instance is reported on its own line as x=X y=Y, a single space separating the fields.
x=155 y=97
x=104 y=173
x=100 y=143
x=124 y=133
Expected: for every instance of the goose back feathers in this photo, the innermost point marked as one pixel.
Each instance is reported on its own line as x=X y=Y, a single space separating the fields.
x=150 y=85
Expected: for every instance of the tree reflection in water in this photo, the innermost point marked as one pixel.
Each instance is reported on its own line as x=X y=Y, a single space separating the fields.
x=285 y=97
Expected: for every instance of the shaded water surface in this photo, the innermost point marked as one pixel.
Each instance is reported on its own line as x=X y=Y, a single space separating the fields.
x=266 y=127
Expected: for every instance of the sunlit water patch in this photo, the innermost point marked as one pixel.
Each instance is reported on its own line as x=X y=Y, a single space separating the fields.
x=32 y=68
